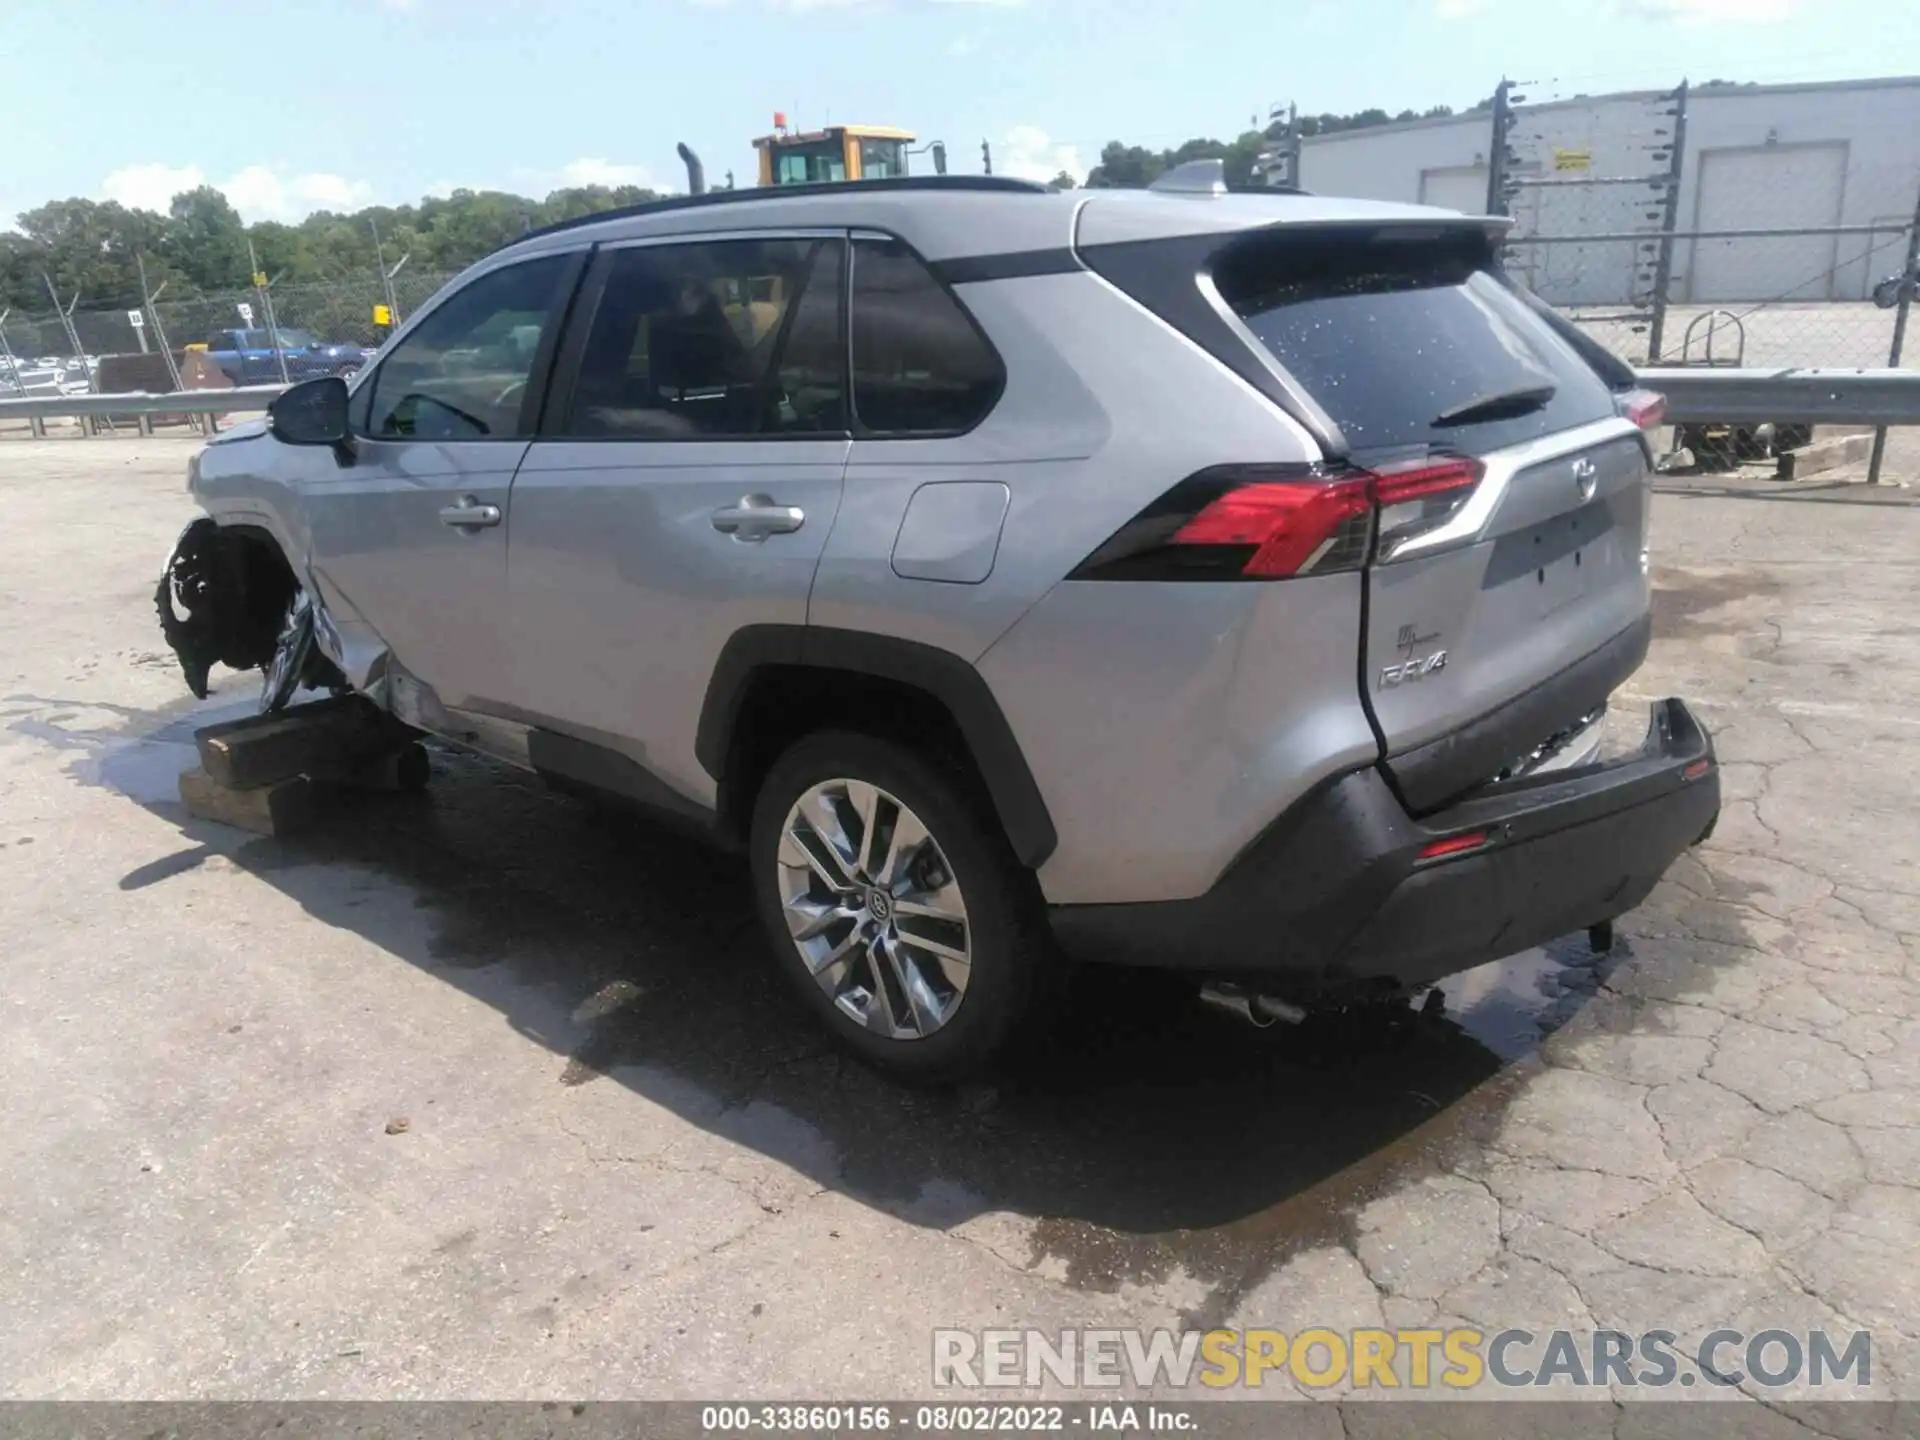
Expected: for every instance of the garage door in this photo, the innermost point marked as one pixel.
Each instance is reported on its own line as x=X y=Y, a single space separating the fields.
x=1459 y=187
x=1771 y=187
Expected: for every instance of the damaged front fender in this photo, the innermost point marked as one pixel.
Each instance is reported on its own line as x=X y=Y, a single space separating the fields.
x=228 y=597
x=210 y=605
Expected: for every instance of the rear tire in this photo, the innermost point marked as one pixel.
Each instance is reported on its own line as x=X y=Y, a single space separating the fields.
x=895 y=905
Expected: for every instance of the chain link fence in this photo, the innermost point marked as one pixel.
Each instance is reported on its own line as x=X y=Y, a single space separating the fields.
x=1735 y=257
x=337 y=312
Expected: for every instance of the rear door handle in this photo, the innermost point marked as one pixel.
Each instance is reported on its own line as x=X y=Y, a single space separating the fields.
x=756 y=517
x=469 y=514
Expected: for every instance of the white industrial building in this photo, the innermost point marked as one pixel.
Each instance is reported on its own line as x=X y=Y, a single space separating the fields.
x=1756 y=157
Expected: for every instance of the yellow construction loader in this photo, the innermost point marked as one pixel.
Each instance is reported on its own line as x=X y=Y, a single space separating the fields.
x=835 y=153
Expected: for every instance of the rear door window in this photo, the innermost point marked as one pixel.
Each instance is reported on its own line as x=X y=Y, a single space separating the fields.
x=1408 y=345
x=716 y=339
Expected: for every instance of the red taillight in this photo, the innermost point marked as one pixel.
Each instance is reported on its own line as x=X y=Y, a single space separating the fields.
x=1273 y=522
x=1418 y=479
x=1290 y=527
x=1419 y=496
x=1454 y=845
x=1644 y=408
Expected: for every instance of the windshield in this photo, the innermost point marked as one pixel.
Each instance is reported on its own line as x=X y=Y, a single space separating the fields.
x=823 y=160
x=1411 y=344
x=882 y=159
x=289 y=339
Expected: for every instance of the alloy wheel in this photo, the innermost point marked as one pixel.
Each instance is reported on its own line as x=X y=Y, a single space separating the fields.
x=874 y=909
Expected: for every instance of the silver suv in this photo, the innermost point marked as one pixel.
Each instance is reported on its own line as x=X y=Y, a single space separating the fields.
x=1223 y=583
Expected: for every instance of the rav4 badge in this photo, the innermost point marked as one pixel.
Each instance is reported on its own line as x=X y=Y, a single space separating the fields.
x=1407 y=670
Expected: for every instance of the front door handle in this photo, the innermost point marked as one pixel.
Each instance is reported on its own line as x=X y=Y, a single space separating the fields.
x=756 y=517
x=469 y=514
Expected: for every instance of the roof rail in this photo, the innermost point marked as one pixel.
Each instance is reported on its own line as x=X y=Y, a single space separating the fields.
x=1001 y=183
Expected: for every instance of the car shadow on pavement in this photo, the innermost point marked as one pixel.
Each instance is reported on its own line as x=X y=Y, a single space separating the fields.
x=1146 y=1133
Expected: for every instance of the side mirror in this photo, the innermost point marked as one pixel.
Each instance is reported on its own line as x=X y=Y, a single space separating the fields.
x=314 y=412
x=1886 y=294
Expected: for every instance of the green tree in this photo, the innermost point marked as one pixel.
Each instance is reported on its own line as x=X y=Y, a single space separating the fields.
x=1130 y=167
x=283 y=252
x=1125 y=167
x=571 y=204
x=1063 y=181
x=85 y=246
x=205 y=240
x=467 y=224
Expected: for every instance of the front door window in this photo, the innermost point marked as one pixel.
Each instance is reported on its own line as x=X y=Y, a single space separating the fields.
x=463 y=373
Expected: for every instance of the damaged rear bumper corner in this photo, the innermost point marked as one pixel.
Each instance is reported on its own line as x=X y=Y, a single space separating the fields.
x=1349 y=890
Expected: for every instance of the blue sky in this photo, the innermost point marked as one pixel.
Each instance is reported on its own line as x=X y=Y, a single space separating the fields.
x=293 y=105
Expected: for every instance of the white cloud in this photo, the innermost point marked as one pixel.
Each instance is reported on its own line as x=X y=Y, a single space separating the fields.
x=1711 y=12
x=1460 y=9
x=150 y=187
x=595 y=170
x=258 y=192
x=1030 y=153
x=961 y=46
x=996 y=4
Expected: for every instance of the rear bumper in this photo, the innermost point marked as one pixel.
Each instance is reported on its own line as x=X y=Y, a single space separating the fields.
x=1339 y=893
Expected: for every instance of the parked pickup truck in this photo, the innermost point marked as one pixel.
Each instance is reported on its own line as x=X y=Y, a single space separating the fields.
x=248 y=358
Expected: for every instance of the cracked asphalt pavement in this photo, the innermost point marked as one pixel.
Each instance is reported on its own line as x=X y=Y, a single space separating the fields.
x=629 y=1168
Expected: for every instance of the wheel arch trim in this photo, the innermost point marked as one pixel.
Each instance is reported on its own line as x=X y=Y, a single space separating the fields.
x=941 y=674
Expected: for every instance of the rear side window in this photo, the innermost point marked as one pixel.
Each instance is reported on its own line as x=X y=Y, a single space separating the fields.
x=920 y=364
x=1410 y=345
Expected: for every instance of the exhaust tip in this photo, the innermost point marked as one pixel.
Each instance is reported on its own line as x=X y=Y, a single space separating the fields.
x=1256 y=1009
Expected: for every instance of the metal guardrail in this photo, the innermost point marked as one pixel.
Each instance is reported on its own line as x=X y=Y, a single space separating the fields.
x=1620 y=237
x=1712 y=395
x=36 y=410
x=1730 y=396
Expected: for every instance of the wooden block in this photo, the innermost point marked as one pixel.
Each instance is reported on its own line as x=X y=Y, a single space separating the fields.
x=334 y=735
x=280 y=809
x=397 y=772
x=1825 y=454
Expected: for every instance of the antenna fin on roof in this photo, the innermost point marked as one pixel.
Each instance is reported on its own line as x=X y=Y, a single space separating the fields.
x=1196 y=177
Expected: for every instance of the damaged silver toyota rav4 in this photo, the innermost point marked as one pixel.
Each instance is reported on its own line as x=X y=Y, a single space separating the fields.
x=1223 y=583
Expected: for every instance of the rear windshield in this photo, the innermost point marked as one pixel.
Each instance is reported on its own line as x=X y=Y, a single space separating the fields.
x=1410 y=344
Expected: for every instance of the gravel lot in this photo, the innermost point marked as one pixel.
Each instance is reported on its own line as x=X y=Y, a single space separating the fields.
x=630 y=1169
